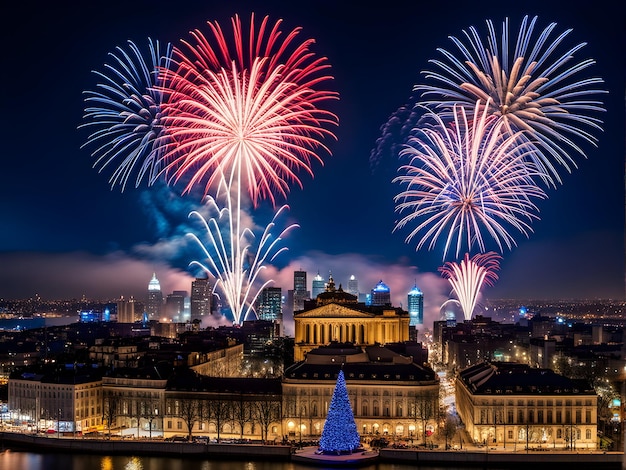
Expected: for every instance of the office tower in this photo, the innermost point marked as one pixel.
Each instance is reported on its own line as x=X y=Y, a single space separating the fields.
x=300 y=292
x=353 y=286
x=175 y=305
x=126 y=311
x=200 y=299
x=318 y=286
x=154 y=304
x=415 y=305
x=381 y=295
x=270 y=304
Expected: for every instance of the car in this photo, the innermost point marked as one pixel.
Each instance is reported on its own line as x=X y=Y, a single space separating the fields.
x=201 y=439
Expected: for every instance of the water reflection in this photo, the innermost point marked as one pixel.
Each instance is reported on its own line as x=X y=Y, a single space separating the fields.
x=14 y=460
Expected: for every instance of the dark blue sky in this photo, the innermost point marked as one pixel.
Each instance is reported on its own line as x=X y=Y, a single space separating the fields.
x=65 y=233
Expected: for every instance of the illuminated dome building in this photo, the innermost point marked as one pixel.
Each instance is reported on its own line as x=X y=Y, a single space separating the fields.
x=336 y=315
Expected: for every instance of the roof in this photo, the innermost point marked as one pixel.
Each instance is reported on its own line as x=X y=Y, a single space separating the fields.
x=519 y=379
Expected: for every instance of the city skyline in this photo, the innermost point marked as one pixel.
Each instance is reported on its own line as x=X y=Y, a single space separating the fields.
x=63 y=217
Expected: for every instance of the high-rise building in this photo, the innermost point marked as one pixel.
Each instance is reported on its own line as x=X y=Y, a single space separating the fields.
x=300 y=292
x=318 y=286
x=270 y=304
x=200 y=299
x=154 y=304
x=175 y=305
x=126 y=311
x=415 y=305
x=353 y=286
x=381 y=295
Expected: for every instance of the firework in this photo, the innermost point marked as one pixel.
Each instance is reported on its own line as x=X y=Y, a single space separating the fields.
x=534 y=84
x=469 y=276
x=243 y=120
x=125 y=112
x=236 y=264
x=248 y=114
x=465 y=181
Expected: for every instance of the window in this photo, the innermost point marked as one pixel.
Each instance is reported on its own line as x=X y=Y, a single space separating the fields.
x=588 y=434
x=588 y=416
x=510 y=432
x=179 y=425
x=169 y=424
x=559 y=434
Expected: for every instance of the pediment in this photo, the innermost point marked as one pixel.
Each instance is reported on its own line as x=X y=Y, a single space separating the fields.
x=333 y=311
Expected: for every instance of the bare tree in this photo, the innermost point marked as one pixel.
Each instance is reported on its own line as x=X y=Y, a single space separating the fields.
x=242 y=413
x=221 y=413
x=424 y=407
x=188 y=412
x=110 y=410
x=266 y=412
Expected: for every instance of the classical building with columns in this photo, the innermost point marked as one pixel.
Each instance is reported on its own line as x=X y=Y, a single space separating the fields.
x=337 y=316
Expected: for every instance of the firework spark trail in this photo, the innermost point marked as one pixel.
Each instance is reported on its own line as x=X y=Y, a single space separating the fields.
x=237 y=273
x=126 y=110
x=533 y=85
x=464 y=178
x=242 y=120
x=468 y=277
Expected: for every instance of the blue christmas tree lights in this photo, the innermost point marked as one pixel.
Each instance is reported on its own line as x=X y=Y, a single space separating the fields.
x=339 y=434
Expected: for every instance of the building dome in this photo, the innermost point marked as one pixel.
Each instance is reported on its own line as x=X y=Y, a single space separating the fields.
x=381 y=287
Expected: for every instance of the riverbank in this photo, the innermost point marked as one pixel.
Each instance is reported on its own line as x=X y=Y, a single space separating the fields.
x=256 y=452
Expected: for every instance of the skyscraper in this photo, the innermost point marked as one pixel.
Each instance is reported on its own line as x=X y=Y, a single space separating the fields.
x=300 y=292
x=270 y=304
x=175 y=305
x=126 y=312
x=353 y=286
x=200 y=299
x=415 y=305
x=154 y=304
x=381 y=295
x=318 y=286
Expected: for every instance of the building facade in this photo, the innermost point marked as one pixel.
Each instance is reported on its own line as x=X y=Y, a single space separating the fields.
x=518 y=407
x=391 y=396
x=200 y=299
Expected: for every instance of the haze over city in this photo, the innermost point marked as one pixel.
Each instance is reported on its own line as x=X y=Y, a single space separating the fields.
x=68 y=234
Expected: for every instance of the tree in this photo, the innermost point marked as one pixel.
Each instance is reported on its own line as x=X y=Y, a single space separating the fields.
x=424 y=407
x=221 y=412
x=265 y=413
x=110 y=410
x=242 y=413
x=340 y=433
x=189 y=414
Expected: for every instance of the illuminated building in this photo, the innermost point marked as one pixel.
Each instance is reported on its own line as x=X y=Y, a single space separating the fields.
x=154 y=303
x=415 y=305
x=270 y=304
x=517 y=407
x=299 y=294
x=175 y=305
x=318 y=286
x=126 y=311
x=336 y=315
x=200 y=299
x=69 y=400
x=381 y=295
x=353 y=286
x=390 y=394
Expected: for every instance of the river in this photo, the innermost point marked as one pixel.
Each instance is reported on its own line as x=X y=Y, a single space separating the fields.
x=17 y=460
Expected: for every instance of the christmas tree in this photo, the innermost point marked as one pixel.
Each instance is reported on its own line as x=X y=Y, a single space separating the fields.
x=340 y=434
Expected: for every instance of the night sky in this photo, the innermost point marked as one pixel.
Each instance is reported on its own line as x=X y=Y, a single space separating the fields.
x=65 y=233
